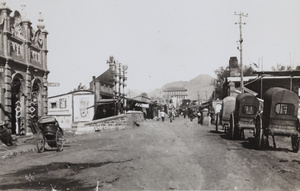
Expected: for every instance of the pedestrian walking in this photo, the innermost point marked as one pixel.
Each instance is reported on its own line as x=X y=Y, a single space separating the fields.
x=158 y=115
x=171 y=110
x=184 y=112
x=162 y=115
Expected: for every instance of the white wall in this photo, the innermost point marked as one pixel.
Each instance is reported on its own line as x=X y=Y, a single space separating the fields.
x=63 y=110
x=70 y=108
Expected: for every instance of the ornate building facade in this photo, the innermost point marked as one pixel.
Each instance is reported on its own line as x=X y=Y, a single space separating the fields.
x=23 y=70
x=177 y=94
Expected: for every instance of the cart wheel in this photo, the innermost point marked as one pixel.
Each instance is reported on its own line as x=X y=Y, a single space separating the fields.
x=298 y=125
x=258 y=133
x=217 y=121
x=59 y=140
x=295 y=143
x=237 y=133
x=40 y=142
x=231 y=128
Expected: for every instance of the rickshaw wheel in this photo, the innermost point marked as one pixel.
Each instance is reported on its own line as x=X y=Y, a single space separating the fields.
x=295 y=143
x=258 y=133
x=40 y=142
x=59 y=140
x=231 y=128
x=241 y=134
x=225 y=127
x=217 y=121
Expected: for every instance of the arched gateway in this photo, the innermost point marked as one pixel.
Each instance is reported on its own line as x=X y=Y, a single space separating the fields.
x=23 y=71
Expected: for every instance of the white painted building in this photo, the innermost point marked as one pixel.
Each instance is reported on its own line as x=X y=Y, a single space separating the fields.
x=72 y=108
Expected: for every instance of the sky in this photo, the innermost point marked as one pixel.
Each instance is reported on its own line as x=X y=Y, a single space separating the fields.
x=161 y=41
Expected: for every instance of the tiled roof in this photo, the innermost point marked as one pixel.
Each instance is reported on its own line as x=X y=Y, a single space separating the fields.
x=106 y=77
x=169 y=89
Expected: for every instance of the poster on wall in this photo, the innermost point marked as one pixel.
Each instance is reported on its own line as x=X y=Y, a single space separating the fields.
x=62 y=103
x=83 y=108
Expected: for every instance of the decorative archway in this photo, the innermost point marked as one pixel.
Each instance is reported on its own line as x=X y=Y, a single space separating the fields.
x=36 y=99
x=18 y=104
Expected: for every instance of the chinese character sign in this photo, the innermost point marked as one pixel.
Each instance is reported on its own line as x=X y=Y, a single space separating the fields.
x=83 y=108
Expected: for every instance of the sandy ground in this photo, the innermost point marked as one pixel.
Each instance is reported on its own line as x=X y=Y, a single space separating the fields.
x=181 y=155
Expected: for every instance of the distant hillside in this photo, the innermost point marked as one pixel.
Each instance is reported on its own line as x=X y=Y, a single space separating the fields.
x=201 y=84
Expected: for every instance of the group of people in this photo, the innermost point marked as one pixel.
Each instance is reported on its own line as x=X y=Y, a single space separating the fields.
x=168 y=111
x=198 y=113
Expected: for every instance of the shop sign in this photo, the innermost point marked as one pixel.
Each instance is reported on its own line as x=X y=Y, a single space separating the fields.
x=52 y=84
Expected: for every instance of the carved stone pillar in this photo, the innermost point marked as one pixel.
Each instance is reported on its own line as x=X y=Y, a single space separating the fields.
x=28 y=87
x=7 y=94
x=45 y=94
x=27 y=43
x=5 y=11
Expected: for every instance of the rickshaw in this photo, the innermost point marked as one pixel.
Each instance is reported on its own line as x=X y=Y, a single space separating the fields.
x=243 y=116
x=279 y=117
x=50 y=132
x=223 y=117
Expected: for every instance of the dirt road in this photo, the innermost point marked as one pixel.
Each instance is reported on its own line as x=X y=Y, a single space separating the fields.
x=181 y=155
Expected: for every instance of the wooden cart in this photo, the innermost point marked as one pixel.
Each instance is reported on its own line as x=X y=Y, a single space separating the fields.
x=50 y=133
x=223 y=118
x=279 y=118
x=243 y=117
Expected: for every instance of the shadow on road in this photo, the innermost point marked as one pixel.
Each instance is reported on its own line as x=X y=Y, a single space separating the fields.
x=216 y=132
x=225 y=136
x=279 y=149
x=249 y=143
x=37 y=177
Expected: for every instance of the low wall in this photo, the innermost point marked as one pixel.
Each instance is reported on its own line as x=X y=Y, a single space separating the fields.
x=129 y=120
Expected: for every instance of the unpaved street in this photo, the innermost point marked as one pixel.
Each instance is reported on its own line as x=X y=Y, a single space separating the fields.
x=181 y=155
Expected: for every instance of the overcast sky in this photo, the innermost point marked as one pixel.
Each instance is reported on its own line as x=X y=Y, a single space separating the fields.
x=161 y=40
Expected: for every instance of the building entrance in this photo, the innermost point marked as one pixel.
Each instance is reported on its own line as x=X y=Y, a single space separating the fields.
x=17 y=106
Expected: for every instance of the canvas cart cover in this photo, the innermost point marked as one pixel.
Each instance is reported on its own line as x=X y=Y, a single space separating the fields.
x=228 y=105
x=247 y=105
x=280 y=103
x=47 y=119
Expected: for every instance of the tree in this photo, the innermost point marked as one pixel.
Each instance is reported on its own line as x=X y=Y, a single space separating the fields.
x=280 y=67
x=222 y=73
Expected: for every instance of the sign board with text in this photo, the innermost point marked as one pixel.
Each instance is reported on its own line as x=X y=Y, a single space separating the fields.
x=52 y=84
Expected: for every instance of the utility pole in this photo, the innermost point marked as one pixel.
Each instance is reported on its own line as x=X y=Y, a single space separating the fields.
x=241 y=47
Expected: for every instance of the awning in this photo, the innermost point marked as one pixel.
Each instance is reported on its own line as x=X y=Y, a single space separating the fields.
x=144 y=105
x=106 y=101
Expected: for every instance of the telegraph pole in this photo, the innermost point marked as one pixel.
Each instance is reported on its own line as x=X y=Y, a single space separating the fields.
x=241 y=47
